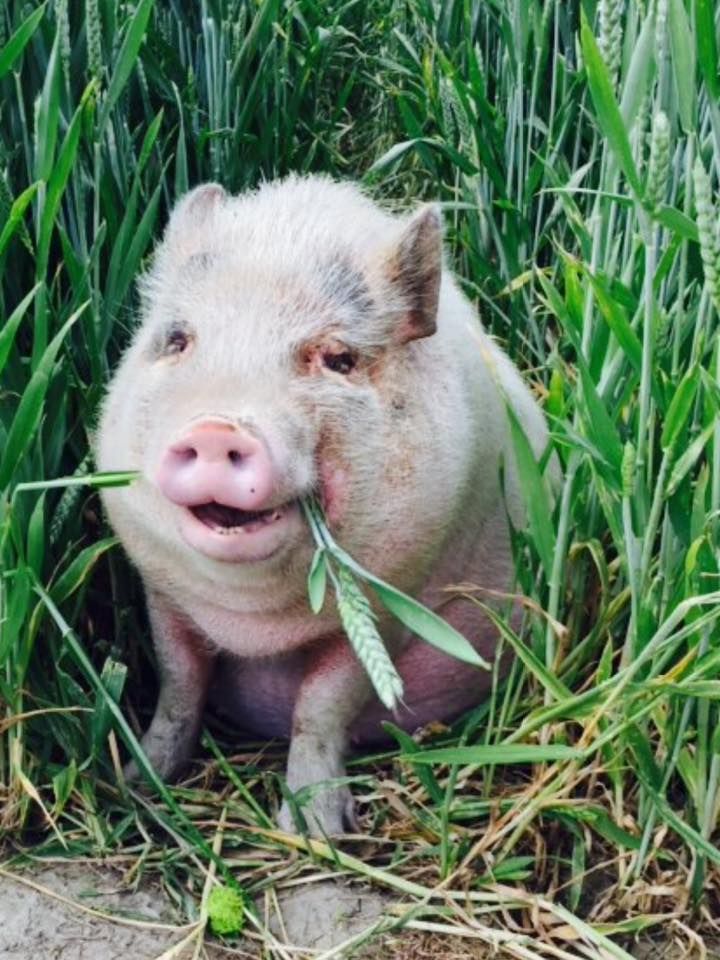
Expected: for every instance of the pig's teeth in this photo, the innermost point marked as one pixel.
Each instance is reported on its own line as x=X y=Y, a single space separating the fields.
x=228 y=520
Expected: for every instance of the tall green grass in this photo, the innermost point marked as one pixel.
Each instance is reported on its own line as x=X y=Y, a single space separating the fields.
x=576 y=150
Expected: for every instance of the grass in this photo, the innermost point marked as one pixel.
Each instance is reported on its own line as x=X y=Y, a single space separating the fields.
x=576 y=150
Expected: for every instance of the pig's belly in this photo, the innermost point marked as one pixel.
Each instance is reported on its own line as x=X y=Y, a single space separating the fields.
x=259 y=694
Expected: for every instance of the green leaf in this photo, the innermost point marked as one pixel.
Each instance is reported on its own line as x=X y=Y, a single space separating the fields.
x=109 y=478
x=134 y=36
x=617 y=320
x=410 y=748
x=496 y=754
x=9 y=328
x=534 y=493
x=555 y=687
x=639 y=74
x=687 y=461
x=599 y=820
x=182 y=180
x=130 y=244
x=29 y=411
x=79 y=570
x=425 y=623
x=391 y=156
x=48 y=115
x=416 y=617
x=555 y=403
x=683 y=62
x=17 y=211
x=606 y=107
x=18 y=41
x=112 y=678
x=58 y=181
x=599 y=425
x=692 y=837
x=16 y=612
x=149 y=140
x=63 y=783
x=680 y=407
x=678 y=222
x=317 y=580
x=706 y=44
x=36 y=536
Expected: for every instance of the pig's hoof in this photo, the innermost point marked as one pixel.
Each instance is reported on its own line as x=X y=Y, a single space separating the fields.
x=328 y=814
x=131 y=772
x=134 y=775
x=166 y=767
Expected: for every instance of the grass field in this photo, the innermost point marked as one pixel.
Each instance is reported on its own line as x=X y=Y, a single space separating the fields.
x=575 y=148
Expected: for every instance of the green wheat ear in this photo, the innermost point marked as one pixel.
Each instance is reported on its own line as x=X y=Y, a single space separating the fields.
x=358 y=620
x=659 y=163
x=611 y=35
x=356 y=614
x=707 y=231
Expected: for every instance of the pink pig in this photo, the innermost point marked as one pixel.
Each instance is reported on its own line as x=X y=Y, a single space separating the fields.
x=300 y=339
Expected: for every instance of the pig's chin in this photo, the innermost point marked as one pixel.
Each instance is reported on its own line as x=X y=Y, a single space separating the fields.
x=240 y=536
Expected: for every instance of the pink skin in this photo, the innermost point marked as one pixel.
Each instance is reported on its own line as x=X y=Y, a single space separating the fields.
x=334 y=487
x=217 y=462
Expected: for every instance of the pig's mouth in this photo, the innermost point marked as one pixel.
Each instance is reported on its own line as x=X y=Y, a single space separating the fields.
x=233 y=535
x=229 y=520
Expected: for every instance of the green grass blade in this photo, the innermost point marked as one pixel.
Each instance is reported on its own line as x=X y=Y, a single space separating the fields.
x=132 y=41
x=14 y=220
x=48 y=116
x=534 y=493
x=19 y=40
x=706 y=44
x=317 y=581
x=10 y=327
x=497 y=754
x=606 y=107
x=683 y=62
x=29 y=411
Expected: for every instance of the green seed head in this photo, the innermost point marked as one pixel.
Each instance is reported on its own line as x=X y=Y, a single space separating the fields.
x=461 y=118
x=358 y=621
x=661 y=20
x=63 y=25
x=628 y=470
x=707 y=229
x=659 y=165
x=610 y=39
x=94 y=39
x=448 y=114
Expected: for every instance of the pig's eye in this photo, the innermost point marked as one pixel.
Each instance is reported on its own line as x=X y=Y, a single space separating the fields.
x=177 y=341
x=340 y=362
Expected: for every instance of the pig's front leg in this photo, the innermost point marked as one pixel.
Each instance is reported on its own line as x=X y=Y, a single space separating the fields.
x=333 y=690
x=185 y=665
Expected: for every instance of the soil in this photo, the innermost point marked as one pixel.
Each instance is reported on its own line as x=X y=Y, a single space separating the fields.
x=81 y=911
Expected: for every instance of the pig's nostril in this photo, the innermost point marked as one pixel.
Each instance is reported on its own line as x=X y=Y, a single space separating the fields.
x=185 y=454
x=235 y=457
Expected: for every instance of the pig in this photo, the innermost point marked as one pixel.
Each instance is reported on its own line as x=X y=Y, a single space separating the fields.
x=299 y=339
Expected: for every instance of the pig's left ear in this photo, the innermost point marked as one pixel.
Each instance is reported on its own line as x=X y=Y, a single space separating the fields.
x=193 y=210
x=414 y=270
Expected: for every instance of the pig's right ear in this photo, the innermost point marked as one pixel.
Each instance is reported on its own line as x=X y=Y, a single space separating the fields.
x=415 y=270
x=193 y=210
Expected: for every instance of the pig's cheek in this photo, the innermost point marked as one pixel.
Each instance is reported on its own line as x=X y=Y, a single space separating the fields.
x=334 y=489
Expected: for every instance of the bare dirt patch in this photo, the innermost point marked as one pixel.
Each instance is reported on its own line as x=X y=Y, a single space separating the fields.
x=87 y=911
x=54 y=915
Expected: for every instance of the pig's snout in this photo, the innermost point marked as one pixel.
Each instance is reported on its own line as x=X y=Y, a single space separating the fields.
x=218 y=462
